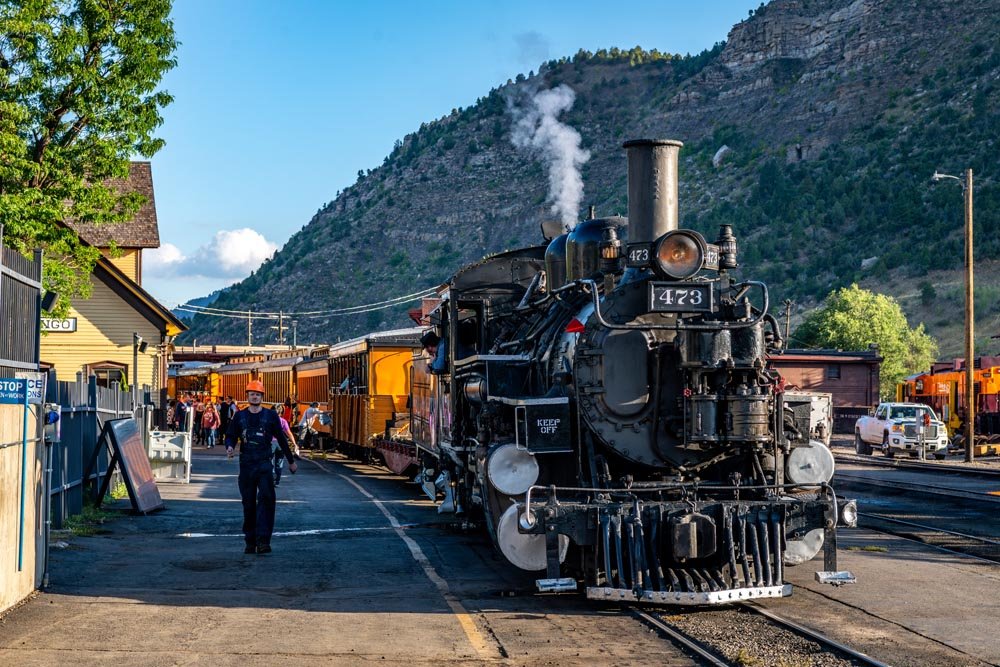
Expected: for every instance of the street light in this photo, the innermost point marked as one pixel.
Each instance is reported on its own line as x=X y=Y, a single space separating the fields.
x=970 y=399
x=138 y=345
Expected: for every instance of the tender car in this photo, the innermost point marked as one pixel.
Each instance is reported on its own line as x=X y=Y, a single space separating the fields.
x=896 y=428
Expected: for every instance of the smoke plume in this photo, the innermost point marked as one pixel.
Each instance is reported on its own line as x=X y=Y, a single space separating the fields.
x=537 y=128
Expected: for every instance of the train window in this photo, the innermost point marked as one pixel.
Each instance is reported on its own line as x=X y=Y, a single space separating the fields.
x=833 y=372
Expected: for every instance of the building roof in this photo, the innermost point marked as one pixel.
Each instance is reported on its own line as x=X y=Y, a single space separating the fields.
x=840 y=356
x=141 y=231
x=138 y=298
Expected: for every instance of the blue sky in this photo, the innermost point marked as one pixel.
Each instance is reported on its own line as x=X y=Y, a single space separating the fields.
x=277 y=105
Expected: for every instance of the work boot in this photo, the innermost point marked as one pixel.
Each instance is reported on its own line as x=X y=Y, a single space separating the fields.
x=263 y=548
x=250 y=549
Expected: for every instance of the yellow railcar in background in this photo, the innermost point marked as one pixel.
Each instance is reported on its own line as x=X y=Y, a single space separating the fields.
x=278 y=376
x=312 y=385
x=370 y=387
x=234 y=376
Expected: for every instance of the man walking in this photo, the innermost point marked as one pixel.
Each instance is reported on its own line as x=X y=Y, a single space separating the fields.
x=224 y=416
x=253 y=428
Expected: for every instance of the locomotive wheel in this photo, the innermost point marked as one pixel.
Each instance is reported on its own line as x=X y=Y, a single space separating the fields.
x=860 y=446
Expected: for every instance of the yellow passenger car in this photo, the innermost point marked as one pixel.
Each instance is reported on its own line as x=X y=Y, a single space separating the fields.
x=370 y=385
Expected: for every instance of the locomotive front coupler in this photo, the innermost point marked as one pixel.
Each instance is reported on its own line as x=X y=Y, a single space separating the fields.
x=575 y=518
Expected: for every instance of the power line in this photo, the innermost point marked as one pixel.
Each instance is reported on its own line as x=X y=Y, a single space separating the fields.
x=377 y=305
x=319 y=314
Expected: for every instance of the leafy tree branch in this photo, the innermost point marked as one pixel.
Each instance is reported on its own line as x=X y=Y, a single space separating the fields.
x=79 y=99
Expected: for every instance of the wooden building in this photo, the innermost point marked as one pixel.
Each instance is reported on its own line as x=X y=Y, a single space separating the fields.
x=852 y=377
x=120 y=325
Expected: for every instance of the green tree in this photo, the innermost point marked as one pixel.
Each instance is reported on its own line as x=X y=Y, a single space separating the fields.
x=78 y=100
x=853 y=318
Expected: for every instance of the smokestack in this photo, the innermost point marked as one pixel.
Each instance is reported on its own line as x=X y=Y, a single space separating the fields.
x=652 y=188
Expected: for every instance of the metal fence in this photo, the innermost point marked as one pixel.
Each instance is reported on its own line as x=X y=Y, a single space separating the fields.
x=20 y=309
x=85 y=408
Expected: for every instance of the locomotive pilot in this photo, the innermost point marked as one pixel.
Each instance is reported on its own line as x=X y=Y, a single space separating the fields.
x=253 y=428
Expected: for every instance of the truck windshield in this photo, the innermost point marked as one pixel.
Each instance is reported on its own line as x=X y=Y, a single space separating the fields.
x=909 y=412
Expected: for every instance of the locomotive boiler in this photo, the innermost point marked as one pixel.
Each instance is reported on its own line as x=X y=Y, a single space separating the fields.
x=604 y=401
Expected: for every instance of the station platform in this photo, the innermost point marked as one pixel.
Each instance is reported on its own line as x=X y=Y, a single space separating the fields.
x=363 y=571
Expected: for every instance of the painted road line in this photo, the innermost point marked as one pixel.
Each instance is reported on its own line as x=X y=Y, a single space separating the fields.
x=476 y=638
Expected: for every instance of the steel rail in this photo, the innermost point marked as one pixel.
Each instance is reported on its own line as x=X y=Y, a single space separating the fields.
x=964 y=554
x=813 y=635
x=932 y=489
x=942 y=467
x=933 y=529
x=678 y=637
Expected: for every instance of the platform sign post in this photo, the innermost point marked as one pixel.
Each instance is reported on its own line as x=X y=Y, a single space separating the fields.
x=18 y=391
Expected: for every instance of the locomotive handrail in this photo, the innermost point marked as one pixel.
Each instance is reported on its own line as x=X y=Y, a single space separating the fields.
x=527 y=518
x=681 y=326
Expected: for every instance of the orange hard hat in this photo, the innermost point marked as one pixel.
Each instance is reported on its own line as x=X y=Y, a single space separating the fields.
x=255 y=385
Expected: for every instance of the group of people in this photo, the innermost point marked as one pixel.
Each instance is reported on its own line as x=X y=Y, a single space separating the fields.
x=265 y=441
x=207 y=419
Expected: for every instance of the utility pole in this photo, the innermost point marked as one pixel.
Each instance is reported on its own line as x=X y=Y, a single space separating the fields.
x=295 y=337
x=250 y=327
x=280 y=328
x=970 y=324
x=788 y=320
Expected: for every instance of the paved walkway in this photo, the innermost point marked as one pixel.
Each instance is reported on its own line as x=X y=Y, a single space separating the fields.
x=352 y=579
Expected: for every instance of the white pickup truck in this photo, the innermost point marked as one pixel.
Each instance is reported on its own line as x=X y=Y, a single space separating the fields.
x=894 y=428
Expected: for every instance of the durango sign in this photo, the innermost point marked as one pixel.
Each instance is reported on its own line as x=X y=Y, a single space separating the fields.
x=67 y=325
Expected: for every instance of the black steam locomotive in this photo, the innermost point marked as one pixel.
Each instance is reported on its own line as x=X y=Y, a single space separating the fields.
x=605 y=402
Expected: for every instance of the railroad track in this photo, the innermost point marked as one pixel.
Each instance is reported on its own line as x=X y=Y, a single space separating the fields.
x=933 y=489
x=974 y=546
x=911 y=464
x=746 y=633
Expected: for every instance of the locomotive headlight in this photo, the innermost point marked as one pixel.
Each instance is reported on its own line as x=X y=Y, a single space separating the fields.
x=849 y=514
x=680 y=254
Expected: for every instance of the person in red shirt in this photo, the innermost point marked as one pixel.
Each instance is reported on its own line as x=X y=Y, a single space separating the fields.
x=210 y=422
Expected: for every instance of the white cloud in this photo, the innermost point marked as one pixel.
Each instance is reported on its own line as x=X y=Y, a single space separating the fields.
x=229 y=254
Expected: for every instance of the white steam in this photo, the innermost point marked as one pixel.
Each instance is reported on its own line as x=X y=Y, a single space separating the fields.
x=536 y=128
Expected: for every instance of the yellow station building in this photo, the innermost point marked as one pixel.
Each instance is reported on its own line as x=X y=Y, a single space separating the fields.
x=120 y=321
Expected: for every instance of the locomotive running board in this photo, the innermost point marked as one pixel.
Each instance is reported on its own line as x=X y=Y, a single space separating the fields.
x=688 y=598
x=556 y=585
x=838 y=578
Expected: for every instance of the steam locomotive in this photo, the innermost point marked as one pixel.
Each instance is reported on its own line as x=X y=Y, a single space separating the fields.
x=604 y=403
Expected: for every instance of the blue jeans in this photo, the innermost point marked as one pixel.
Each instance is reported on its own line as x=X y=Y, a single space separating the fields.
x=211 y=437
x=257 y=492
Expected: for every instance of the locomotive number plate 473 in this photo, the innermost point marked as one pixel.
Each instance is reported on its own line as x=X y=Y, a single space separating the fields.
x=680 y=297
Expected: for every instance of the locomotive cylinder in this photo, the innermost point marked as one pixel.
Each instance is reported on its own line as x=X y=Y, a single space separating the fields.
x=652 y=188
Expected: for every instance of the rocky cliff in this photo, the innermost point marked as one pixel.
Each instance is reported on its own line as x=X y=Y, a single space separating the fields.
x=813 y=129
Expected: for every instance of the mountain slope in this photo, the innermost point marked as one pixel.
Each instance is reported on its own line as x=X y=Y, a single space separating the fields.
x=835 y=114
